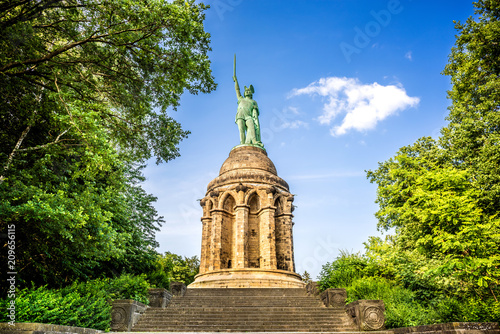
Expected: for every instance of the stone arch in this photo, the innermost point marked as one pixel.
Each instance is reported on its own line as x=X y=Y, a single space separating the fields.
x=249 y=194
x=278 y=204
x=225 y=195
x=228 y=204
x=253 y=233
x=253 y=201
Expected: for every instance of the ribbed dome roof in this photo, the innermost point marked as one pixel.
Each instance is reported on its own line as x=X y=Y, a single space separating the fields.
x=248 y=157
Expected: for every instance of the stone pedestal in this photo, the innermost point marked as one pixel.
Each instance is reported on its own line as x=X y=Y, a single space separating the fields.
x=247 y=226
x=177 y=289
x=368 y=315
x=125 y=313
x=159 y=298
x=334 y=297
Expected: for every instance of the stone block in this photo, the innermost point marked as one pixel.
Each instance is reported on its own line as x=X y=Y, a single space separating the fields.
x=312 y=289
x=178 y=289
x=159 y=297
x=368 y=315
x=125 y=313
x=333 y=297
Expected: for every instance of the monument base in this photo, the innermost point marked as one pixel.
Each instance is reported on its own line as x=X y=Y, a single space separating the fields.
x=248 y=278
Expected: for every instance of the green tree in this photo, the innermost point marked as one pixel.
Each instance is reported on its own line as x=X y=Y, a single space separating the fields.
x=472 y=135
x=84 y=91
x=306 y=277
x=179 y=268
x=442 y=197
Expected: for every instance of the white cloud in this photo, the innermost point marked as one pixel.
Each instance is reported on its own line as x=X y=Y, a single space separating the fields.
x=294 y=124
x=363 y=105
x=409 y=56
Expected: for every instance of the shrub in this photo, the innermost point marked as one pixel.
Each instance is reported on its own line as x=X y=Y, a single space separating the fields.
x=402 y=307
x=343 y=271
x=70 y=308
x=85 y=304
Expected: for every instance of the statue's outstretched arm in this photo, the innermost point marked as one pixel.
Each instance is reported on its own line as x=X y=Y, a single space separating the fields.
x=237 y=87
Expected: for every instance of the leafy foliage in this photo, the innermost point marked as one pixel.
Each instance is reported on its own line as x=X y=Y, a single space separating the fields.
x=70 y=308
x=84 y=93
x=178 y=268
x=84 y=304
x=442 y=197
x=343 y=271
x=403 y=309
x=441 y=200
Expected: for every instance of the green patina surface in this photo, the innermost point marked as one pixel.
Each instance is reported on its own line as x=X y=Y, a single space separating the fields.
x=247 y=115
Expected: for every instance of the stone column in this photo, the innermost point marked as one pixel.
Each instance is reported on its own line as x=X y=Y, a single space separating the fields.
x=288 y=240
x=215 y=241
x=206 y=222
x=240 y=250
x=267 y=238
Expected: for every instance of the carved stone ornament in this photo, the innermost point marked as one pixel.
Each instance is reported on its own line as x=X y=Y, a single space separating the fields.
x=368 y=315
x=125 y=313
x=118 y=317
x=241 y=187
x=374 y=318
x=271 y=190
x=214 y=193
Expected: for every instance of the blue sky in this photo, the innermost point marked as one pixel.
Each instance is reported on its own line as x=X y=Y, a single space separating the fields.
x=341 y=85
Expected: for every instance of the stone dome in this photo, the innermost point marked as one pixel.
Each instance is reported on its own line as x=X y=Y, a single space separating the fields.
x=247 y=164
x=248 y=157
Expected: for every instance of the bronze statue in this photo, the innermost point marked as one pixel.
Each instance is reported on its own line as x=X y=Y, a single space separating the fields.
x=247 y=115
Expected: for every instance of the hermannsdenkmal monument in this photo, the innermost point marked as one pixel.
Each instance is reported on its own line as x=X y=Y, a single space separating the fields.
x=247 y=237
x=247 y=280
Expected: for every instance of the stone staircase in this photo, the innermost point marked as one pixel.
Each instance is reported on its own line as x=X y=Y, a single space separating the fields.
x=245 y=310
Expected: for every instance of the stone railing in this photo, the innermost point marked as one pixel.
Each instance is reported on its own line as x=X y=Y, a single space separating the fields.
x=126 y=312
x=159 y=298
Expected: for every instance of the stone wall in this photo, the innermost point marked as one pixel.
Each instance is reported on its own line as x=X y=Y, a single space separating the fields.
x=452 y=328
x=35 y=328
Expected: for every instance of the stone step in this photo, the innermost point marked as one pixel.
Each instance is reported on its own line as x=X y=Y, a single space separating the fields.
x=247 y=305
x=246 y=292
x=241 y=313
x=249 y=299
x=204 y=328
x=245 y=310
x=266 y=315
x=238 y=319
x=250 y=308
x=246 y=329
x=226 y=324
x=249 y=302
x=249 y=311
x=243 y=332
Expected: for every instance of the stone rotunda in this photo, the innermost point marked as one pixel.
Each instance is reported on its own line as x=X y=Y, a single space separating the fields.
x=247 y=239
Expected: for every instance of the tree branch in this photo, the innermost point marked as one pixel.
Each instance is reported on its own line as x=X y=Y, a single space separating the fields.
x=11 y=155
x=63 y=49
x=48 y=144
